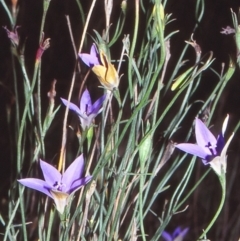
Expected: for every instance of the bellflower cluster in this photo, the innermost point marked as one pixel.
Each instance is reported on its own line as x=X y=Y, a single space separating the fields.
x=177 y=235
x=211 y=150
x=59 y=186
x=101 y=67
x=86 y=110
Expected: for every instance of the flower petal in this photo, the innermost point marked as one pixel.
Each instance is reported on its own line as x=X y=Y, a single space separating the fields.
x=220 y=144
x=94 y=51
x=74 y=108
x=112 y=76
x=100 y=71
x=97 y=104
x=203 y=135
x=79 y=183
x=224 y=151
x=166 y=236
x=219 y=163
x=73 y=172
x=50 y=173
x=194 y=150
x=91 y=59
x=225 y=123
x=181 y=234
x=216 y=165
x=36 y=184
x=86 y=103
x=176 y=232
x=106 y=73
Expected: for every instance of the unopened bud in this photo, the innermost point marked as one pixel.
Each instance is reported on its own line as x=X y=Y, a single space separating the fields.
x=124 y=6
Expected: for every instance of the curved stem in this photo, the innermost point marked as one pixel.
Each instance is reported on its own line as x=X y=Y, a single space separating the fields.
x=222 y=180
x=7 y=12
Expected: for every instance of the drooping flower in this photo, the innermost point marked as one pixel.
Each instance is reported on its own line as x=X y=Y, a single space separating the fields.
x=44 y=44
x=13 y=35
x=177 y=235
x=59 y=186
x=102 y=67
x=87 y=111
x=208 y=148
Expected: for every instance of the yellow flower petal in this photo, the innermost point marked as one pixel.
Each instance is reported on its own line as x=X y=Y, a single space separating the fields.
x=106 y=73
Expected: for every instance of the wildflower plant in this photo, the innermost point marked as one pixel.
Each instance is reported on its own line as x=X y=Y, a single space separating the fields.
x=56 y=186
x=132 y=174
x=213 y=152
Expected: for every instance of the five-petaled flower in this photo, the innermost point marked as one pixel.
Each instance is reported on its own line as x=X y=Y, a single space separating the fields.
x=177 y=235
x=101 y=67
x=59 y=187
x=211 y=150
x=87 y=111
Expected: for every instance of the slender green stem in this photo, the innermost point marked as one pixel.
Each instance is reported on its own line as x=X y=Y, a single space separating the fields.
x=23 y=120
x=7 y=12
x=24 y=228
x=21 y=60
x=133 y=45
x=192 y=190
x=141 y=187
x=175 y=209
x=13 y=214
x=45 y=9
x=222 y=180
x=39 y=114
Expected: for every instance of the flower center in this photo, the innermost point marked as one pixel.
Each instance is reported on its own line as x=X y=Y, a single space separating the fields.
x=59 y=185
x=86 y=110
x=212 y=148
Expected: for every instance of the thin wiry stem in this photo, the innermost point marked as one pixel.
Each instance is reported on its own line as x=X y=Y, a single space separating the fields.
x=61 y=162
x=222 y=180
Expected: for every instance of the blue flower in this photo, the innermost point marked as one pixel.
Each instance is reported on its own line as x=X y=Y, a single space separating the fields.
x=87 y=111
x=211 y=150
x=59 y=186
x=177 y=235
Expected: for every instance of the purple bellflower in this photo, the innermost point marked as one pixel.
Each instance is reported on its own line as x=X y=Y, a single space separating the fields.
x=101 y=67
x=87 y=111
x=211 y=150
x=177 y=235
x=59 y=187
